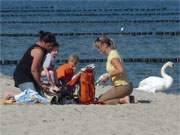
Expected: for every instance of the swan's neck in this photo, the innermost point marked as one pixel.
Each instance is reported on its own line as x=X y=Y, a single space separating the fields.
x=167 y=78
x=163 y=73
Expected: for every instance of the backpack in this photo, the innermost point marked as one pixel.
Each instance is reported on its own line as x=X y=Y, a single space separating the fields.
x=85 y=79
x=87 y=88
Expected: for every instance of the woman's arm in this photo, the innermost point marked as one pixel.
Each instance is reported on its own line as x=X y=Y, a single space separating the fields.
x=118 y=65
x=119 y=69
x=37 y=55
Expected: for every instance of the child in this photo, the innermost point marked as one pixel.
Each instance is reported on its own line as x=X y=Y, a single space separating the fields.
x=66 y=71
x=48 y=66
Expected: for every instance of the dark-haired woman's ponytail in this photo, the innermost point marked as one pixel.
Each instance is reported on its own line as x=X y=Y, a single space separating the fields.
x=41 y=34
x=47 y=37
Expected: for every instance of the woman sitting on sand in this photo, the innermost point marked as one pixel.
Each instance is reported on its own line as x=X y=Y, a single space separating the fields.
x=27 y=72
x=122 y=88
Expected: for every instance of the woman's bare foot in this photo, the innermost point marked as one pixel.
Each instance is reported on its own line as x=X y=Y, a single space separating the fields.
x=124 y=100
x=9 y=94
x=127 y=100
x=9 y=101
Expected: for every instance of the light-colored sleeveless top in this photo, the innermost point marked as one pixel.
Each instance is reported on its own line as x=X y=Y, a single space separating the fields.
x=118 y=79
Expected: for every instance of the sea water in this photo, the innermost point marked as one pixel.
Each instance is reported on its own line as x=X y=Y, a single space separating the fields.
x=150 y=46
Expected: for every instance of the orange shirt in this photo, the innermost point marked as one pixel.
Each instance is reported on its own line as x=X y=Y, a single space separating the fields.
x=66 y=72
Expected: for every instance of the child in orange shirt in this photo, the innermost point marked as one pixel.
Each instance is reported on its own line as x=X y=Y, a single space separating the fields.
x=66 y=71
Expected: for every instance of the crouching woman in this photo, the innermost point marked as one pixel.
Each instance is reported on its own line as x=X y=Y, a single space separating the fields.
x=122 y=88
x=27 y=72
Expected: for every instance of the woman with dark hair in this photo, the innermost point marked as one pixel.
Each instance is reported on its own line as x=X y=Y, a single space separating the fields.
x=122 y=87
x=27 y=72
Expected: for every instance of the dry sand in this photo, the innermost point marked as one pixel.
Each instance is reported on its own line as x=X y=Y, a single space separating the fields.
x=154 y=114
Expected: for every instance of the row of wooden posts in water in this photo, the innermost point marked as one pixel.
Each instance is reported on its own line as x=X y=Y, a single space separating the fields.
x=146 y=60
x=160 y=33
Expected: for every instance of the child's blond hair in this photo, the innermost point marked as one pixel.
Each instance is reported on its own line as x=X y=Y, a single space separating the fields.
x=73 y=57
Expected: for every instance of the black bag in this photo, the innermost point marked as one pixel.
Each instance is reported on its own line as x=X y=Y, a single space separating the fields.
x=63 y=97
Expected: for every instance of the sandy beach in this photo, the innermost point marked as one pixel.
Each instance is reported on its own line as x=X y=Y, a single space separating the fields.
x=153 y=114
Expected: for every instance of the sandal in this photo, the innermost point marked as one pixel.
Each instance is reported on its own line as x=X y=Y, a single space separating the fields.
x=131 y=99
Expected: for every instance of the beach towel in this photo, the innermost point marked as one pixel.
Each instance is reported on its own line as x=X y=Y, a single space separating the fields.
x=30 y=96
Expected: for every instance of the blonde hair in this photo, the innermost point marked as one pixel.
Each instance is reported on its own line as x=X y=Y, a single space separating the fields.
x=104 y=39
x=75 y=57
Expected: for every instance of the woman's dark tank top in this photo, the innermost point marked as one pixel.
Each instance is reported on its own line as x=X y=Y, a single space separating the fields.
x=22 y=72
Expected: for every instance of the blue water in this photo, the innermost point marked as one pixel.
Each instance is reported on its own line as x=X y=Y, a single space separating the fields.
x=139 y=46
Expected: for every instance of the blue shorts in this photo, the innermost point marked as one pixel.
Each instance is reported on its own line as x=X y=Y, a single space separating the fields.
x=29 y=85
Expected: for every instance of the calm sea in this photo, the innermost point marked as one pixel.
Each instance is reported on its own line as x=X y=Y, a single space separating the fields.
x=14 y=13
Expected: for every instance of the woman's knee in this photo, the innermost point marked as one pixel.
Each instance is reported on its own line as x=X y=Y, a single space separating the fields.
x=110 y=94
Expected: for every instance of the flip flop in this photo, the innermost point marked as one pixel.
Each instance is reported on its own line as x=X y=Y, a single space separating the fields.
x=131 y=99
x=7 y=102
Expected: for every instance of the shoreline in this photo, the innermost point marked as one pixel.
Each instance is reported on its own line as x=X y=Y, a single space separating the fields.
x=154 y=114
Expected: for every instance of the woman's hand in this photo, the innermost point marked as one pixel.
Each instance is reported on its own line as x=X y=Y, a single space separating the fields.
x=45 y=88
x=49 y=90
x=105 y=77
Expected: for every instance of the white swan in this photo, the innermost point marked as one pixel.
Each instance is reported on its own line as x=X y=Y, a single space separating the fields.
x=154 y=83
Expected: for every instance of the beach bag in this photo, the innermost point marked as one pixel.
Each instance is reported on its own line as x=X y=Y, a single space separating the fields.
x=87 y=88
x=85 y=79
